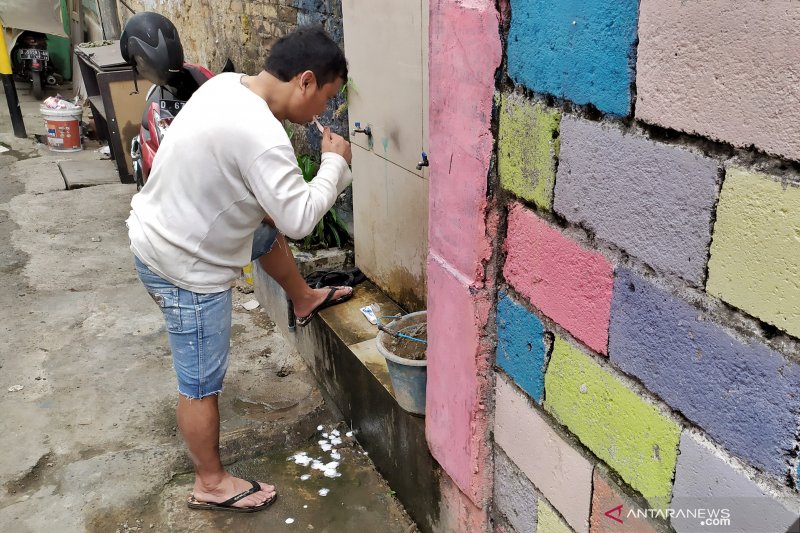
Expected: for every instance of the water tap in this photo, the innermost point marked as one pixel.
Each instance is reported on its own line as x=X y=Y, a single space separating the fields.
x=424 y=162
x=366 y=130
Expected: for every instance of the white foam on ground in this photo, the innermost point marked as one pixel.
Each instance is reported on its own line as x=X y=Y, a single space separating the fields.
x=301 y=459
x=323 y=492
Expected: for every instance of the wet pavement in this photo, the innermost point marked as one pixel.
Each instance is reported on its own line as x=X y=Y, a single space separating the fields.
x=87 y=390
x=309 y=499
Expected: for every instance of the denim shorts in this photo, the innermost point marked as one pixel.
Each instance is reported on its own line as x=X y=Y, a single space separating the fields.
x=198 y=325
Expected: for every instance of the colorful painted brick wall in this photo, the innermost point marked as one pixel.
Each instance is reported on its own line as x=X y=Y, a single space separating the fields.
x=655 y=256
x=643 y=282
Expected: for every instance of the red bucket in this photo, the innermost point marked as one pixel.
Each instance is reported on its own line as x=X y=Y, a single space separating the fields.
x=63 y=128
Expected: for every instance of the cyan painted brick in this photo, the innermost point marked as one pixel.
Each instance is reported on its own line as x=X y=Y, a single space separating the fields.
x=514 y=494
x=652 y=200
x=520 y=346
x=527 y=149
x=616 y=423
x=706 y=480
x=582 y=50
x=745 y=395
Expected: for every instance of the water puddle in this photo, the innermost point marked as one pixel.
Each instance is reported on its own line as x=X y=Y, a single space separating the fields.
x=6 y=150
x=330 y=485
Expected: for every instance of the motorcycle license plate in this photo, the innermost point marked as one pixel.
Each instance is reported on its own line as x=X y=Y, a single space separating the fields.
x=34 y=53
x=172 y=106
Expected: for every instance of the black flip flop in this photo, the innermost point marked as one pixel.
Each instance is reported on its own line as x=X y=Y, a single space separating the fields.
x=227 y=505
x=327 y=302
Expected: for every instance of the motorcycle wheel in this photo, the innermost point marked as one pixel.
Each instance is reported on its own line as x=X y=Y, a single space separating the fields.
x=36 y=78
x=139 y=176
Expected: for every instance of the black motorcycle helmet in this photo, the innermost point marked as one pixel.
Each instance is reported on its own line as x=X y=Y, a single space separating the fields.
x=150 y=44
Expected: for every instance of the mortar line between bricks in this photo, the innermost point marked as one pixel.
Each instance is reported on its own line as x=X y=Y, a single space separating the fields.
x=721 y=175
x=727 y=153
x=736 y=322
x=636 y=386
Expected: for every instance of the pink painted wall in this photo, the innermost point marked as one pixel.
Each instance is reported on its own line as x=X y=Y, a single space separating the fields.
x=566 y=282
x=465 y=51
x=458 y=366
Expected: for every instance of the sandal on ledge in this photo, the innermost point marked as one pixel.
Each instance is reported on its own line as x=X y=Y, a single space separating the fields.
x=227 y=505
x=327 y=302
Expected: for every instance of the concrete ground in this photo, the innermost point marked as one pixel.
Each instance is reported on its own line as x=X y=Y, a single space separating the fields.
x=87 y=391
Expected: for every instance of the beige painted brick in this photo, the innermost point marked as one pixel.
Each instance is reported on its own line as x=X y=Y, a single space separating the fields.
x=554 y=466
x=726 y=70
x=755 y=252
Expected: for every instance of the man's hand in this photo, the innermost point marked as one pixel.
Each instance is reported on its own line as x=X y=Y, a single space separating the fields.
x=332 y=142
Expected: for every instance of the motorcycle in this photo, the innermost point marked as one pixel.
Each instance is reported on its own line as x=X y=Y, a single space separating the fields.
x=163 y=104
x=32 y=62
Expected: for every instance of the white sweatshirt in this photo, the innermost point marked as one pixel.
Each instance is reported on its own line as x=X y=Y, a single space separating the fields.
x=224 y=164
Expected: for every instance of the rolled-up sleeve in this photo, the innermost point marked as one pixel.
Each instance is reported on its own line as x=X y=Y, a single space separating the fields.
x=296 y=206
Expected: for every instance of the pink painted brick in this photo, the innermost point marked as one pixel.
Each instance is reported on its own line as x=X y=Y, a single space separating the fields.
x=566 y=282
x=725 y=70
x=557 y=469
x=458 y=360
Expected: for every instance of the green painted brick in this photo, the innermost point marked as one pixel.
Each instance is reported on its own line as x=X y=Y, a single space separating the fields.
x=619 y=426
x=547 y=521
x=528 y=147
x=755 y=251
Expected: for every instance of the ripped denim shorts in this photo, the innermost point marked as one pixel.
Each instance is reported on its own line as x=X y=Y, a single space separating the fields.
x=198 y=325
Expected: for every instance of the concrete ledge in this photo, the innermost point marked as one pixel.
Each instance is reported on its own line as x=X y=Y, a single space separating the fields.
x=339 y=348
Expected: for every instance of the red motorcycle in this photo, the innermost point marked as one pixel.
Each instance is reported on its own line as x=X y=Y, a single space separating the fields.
x=163 y=105
x=150 y=44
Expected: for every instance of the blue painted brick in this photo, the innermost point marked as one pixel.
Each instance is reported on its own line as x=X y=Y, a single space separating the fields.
x=582 y=50
x=745 y=395
x=520 y=346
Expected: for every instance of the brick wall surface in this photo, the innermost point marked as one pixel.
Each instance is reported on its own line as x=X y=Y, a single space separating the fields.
x=565 y=281
x=744 y=394
x=554 y=466
x=611 y=509
x=755 y=258
x=653 y=200
x=527 y=150
x=618 y=425
x=514 y=494
x=725 y=70
x=648 y=195
x=583 y=51
x=521 y=346
x=705 y=480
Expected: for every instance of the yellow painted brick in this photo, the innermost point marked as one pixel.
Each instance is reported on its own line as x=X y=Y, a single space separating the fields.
x=528 y=146
x=755 y=252
x=547 y=521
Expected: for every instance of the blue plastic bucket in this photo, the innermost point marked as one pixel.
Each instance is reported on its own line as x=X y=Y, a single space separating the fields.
x=409 y=377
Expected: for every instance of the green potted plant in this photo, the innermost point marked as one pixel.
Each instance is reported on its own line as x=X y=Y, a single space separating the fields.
x=330 y=231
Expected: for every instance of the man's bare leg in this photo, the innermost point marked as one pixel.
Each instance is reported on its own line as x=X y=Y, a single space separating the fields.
x=279 y=264
x=198 y=421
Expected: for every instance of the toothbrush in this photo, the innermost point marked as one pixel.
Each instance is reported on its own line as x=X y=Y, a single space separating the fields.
x=320 y=127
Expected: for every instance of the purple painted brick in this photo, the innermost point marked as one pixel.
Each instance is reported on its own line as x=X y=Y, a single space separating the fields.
x=705 y=480
x=652 y=200
x=745 y=395
x=514 y=494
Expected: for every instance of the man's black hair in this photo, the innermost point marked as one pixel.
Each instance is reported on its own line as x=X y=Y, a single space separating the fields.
x=307 y=48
